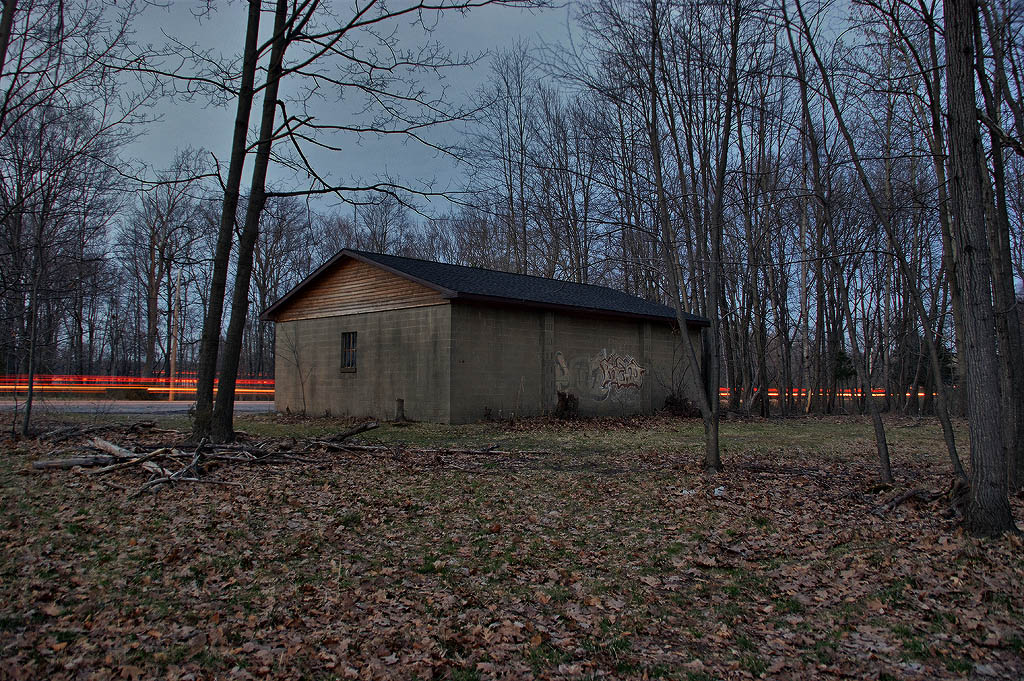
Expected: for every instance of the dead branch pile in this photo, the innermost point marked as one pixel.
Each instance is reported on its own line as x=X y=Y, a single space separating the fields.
x=170 y=465
x=173 y=464
x=167 y=466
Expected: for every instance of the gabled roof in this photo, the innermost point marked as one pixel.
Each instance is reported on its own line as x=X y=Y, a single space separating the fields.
x=483 y=285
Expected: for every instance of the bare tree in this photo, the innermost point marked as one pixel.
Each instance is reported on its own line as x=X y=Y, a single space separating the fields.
x=157 y=241
x=988 y=510
x=56 y=192
x=324 y=50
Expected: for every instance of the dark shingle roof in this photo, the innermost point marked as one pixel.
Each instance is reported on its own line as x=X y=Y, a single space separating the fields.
x=458 y=281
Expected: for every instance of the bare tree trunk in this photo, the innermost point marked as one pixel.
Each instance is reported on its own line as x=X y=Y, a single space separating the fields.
x=706 y=392
x=860 y=365
x=805 y=309
x=152 y=310
x=222 y=428
x=33 y=333
x=712 y=456
x=1008 y=331
x=988 y=509
x=6 y=22
x=1008 y=328
x=210 y=342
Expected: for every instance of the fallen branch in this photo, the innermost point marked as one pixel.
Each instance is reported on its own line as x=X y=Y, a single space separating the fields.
x=170 y=480
x=895 y=502
x=113 y=485
x=197 y=457
x=134 y=462
x=336 y=443
x=112 y=449
x=361 y=428
x=122 y=453
x=67 y=432
x=73 y=461
x=259 y=457
x=334 y=447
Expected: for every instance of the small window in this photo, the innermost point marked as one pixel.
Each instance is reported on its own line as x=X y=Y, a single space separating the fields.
x=348 y=351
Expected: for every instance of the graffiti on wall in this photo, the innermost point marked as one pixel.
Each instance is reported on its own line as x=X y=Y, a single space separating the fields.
x=563 y=383
x=619 y=371
x=607 y=374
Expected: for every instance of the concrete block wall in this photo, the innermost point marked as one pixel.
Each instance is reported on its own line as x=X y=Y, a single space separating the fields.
x=462 y=362
x=400 y=354
x=497 y=357
x=671 y=364
x=510 y=360
x=607 y=364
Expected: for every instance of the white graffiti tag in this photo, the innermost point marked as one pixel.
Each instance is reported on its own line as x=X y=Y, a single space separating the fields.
x=617 y=372
x=599 y=377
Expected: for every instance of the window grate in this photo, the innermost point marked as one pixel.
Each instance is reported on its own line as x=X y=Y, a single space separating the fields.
x=348 y=351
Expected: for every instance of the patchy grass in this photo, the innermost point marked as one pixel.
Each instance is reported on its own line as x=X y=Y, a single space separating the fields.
x=608 y=556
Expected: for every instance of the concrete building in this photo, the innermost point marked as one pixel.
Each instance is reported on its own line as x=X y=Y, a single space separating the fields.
x=459 y=344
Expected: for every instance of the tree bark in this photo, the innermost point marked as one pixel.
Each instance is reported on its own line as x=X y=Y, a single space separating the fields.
x=1008 y=331
x=988 y=507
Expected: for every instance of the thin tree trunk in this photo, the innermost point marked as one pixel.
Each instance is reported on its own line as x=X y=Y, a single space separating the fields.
x=222 y=428
x=6 y=23
x=152 y=311
x=860 y=364
x=33 y=332
x=712 y=456
x=210 y=342
x=669 y=249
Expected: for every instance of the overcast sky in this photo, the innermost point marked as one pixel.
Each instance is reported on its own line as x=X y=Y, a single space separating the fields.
x=198 y=124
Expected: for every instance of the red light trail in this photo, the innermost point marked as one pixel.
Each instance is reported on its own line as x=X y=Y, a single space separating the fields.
x=182 y=386
x=185 y=386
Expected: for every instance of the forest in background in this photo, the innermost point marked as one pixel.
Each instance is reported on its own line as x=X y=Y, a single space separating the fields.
x=826 y=170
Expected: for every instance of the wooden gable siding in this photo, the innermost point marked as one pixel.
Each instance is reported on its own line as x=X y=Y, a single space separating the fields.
x=354 y=287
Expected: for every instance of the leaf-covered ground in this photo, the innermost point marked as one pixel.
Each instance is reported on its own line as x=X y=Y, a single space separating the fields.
x=613 y=556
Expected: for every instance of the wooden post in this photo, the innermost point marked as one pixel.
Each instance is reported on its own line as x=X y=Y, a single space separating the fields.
x=399 y=410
